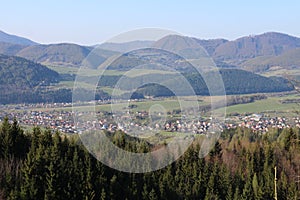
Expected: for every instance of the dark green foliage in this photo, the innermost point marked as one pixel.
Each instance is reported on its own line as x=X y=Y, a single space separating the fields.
x=46 y=96
x=25 y=81
x=243 y=82
x=235 y=82
x=22 y=81
x=155 y=90
x=23 y=73
x=13 y=95
x=53 y=166
x=13 y=143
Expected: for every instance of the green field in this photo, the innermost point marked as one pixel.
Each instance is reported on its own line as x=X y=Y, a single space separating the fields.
x=278 y=71
x=70 y=84
x=114 y=91
x=167 y=105
x=83 y=71
x=98 y=72
x=270 y=105
x=92 y=73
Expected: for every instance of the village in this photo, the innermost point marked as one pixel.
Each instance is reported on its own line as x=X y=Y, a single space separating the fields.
x=63 y=121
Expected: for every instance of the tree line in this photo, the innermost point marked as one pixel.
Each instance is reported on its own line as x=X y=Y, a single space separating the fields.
x=235 y=82
x=39 y=164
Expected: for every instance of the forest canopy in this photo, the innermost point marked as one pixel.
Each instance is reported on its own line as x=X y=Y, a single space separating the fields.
x=39 y=164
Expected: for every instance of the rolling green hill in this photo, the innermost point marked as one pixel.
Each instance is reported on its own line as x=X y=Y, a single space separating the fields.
x=22 y=80
x=22 y=73
x=66 y=55
x=56 y=54
x=159 y=62
x=235 y=82
x=151 y=58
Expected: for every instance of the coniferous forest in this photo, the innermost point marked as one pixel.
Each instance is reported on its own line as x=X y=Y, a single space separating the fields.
x=38 y=164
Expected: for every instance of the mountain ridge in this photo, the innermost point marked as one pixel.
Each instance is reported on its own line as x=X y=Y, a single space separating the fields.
x=244 y=52
x=8 y=38
x=56 y=54
x=270 y=43
x=126 y=46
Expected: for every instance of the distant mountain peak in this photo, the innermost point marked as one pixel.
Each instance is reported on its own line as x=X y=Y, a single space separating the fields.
x=13 y=39
x=176 y=43
x=126 y=46
x=266 y=44
x=274 y=33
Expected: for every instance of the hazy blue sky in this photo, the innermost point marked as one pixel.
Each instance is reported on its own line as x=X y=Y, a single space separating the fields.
x=94 y=21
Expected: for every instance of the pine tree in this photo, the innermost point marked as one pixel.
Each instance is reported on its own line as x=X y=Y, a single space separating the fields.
x=283 y=186
x=216 y=152
x=33 y=175
x=213 y=185
x=236 y=194
x=6 y=139
x=229 y=195
x=248 y=193
x=103 y=194
x=153 y=195
x=292 y=191
x=133 y=188
x=145 y=193
x=113 y=187
x=289 y=139
x=256 y=188
x=53 y=173
x=89 y=192
x=100 y=182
